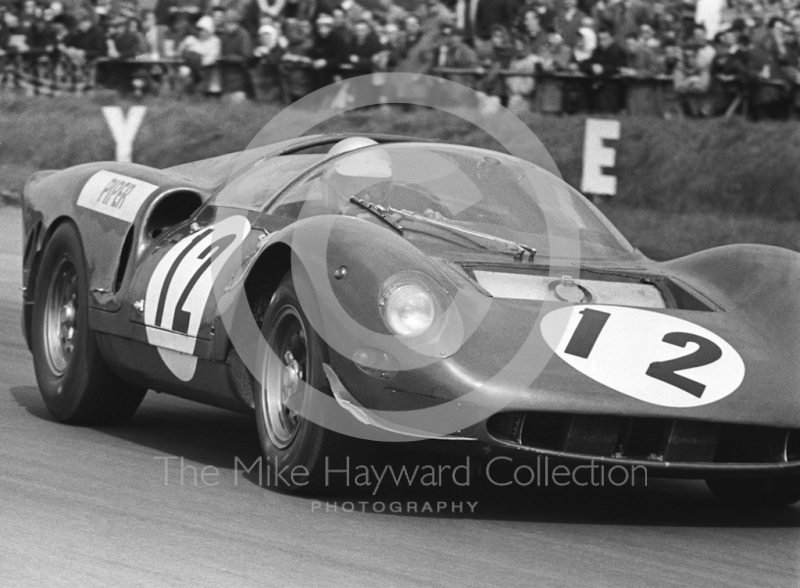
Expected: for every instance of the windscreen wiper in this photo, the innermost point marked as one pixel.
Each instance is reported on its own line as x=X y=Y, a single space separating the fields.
x=518 y=249
x=378 y=211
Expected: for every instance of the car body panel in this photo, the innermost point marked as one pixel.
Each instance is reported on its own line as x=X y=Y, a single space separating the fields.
x=746 y=295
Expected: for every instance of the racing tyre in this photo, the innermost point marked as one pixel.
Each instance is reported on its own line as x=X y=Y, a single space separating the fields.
x=76 y=384
x=289 y=442
x=780 y=491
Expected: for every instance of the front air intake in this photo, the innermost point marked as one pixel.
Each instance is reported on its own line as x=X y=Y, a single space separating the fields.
x=663 y=440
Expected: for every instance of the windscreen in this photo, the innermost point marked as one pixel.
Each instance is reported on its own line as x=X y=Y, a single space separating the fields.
x=479 y=190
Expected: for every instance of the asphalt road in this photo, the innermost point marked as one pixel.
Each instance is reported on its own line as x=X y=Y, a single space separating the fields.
x=93 y=507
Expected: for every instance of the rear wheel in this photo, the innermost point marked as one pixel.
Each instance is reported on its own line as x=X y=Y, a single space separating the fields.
x=291 y=443
x=780 y=491
x=76 y=384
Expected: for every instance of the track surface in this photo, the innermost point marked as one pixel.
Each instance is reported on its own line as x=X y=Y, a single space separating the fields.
x=90 y=507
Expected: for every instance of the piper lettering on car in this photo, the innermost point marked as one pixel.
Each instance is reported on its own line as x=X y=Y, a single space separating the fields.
x=180 y=286
x=115 y=192
x=655 y=357
x=115 y=195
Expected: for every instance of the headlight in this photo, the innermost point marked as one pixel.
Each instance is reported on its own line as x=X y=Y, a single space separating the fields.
x=408 y=310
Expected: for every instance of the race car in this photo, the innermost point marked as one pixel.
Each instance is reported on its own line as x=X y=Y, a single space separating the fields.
x=352 y=290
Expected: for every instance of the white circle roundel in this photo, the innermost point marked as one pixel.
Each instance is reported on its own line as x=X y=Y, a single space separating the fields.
x=651 y=356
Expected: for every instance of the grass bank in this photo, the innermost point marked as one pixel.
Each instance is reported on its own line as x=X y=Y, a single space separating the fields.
x=730 y=165
x=696 y=174
x=664 y=235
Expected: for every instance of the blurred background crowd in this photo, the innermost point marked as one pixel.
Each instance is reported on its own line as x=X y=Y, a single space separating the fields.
x=715 y=57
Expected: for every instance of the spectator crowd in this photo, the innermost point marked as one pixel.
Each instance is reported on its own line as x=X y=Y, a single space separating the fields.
x=284 y=49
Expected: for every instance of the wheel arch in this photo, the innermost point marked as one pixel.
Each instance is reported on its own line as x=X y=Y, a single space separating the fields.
x=34 y=250
x=264 y=277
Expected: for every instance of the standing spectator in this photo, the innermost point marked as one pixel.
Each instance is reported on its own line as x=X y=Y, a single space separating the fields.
x=180 y=29
x=418 y=45
x=60 y=33
x=556 y=55
x=432 y=13
x=154 y=36
x=268 y=53
x=452 y=52
x=297 y=61
x=362 y=49
x=329 y=51
x=122 y=44
x=251 y=16
x=775 y=64
x=87 y=40
x=153 y=46
x=218 y=16
x=531 y=33
x=547 y=13
x=729 y=72
x=568 y=21
x=271 y=8
x=167 y=10
x=42 y=34
x=352 y=12
x=236 y=51
x=270 y=44
x=642 y=60
x=5 y=34
x=672 y=56
x=647 y=37
x=17 y=39
x=394 y=46
x=585 y=48
x=302 y=10
x=125 y=40
x=477 y=18
x=756 y=25
x=693 y=84
x=389 y=12
x=28 y=17
x=623 y=17
x=499 y=59
x=412 y=34
x=796 y=26
x=687 y=11
x=520 y=88
x=201 y=53
x=606 y=62
x=705 y=51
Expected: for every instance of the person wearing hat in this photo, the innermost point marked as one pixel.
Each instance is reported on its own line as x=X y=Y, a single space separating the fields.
x=203 y=49
x=200 y=53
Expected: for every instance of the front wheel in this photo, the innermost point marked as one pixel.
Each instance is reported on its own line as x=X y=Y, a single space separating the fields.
x=779 y=491
x=76 y=384
x=290 y=443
